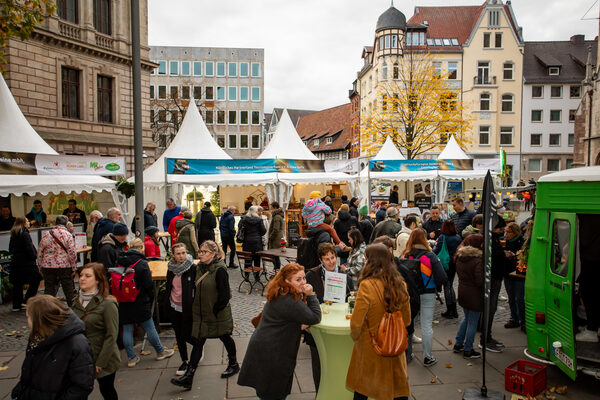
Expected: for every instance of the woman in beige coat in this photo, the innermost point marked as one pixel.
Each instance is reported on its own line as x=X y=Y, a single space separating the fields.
x=380 y=288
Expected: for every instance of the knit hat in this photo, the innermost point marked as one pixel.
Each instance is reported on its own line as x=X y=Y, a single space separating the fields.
x=150 y=230
x=364 y=210
x=120 y=230
x=315 y=194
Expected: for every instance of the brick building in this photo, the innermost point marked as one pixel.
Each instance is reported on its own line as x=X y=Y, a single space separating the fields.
x=72 y=79
x=327 y=133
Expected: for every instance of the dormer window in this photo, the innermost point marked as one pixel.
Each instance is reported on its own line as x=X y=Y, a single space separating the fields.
x=316 y=142
x=554 y=71
x=329 y=140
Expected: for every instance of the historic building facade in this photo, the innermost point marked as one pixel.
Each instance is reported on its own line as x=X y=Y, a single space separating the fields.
x=227 y=85
x=72 y=79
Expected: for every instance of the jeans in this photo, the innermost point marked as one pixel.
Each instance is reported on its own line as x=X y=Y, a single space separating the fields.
x=106 y=384
x=427 y=307
x=515 y=289
x=64 y=276
x=467 y=329
x=151 y=335
x=229 y=242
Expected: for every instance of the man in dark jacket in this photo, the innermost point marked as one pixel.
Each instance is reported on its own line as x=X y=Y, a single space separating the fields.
x=380 y=214
x=227 y=229
x=316 y=277
x=37 y=215
x=103 y=227
x=206 y=222
x=75 y=215
x=366 y=223
x=462 y=216
x=390 y=227
x=433 y=225
x=112 y=245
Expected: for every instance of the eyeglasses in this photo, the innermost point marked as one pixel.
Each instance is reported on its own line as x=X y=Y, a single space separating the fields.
x=204 y=251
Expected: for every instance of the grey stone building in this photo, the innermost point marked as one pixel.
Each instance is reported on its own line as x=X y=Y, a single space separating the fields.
x=227 y=85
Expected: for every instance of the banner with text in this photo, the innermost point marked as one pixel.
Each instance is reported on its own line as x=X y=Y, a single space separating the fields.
x=42 y=164
x=184 y=166
x=419 y=165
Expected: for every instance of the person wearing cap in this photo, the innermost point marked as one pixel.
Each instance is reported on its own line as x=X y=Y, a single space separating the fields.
x=390 y=227
x=151 y=245
x=112 y=245
x=314 y=213
x=365 y=223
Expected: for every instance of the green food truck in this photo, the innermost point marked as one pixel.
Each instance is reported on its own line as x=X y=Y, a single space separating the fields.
x=564 y=246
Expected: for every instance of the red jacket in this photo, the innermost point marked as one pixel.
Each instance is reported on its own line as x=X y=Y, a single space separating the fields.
x=151 y=248
x=172 y=230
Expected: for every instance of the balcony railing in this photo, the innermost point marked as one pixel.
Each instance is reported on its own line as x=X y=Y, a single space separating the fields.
x=484 y=80
x=70 y=31
x=105 y=42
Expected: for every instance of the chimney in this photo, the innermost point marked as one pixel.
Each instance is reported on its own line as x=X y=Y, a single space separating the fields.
x=577 y=39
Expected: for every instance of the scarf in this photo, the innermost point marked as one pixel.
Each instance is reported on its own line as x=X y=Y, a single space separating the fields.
x=179 y=269
x=85 y=298
x=37 y=216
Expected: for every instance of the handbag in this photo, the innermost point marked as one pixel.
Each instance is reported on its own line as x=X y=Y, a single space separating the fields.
x=256 y=320
x=444 y=255
x=391 y=339
x=241 y=232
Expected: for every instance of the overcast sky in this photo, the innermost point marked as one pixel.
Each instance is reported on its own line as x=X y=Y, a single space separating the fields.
x=313 y=47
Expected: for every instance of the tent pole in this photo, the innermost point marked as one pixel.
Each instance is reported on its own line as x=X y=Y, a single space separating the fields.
x=136 y=74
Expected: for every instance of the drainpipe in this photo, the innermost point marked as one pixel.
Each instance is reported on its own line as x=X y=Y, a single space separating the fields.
x=589 y=144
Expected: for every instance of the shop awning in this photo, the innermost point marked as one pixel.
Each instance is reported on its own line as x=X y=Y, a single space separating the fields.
x=44 y=184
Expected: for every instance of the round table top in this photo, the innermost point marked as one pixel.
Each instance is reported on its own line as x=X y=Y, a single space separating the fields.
x=333 y=319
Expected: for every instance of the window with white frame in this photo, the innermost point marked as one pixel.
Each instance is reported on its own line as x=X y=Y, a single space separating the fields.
x=173 y=67
x=209 y=118
x=232 y=141
x=555 y=115
x=255 y=141
x=185 y=68
x=315 y=142
x=244 y=95
x=220 y=117
x=232 y=117
x=232 y=69
x=162 y=92
x=244 y=70
x=209 y=68
x=185 y=92
x=571 y=139
x=484 y=135
x=553 y=165
x=174 y=92
x=244 y=141
x=485 y=101
x=575 y=92
x=255 y=93
x=209 y=93
x=537 y=92
x=244 y=117
x=162 y=68
x=554 y=71
x=197 y=68
x=507 y=102
x=255 y=70
x=535 y=165
x=232 y=93
x=498 y=40
x=220 y=68
x=556 y=92
x=255 y=117
x=452 y=70
x=483 y=72
x=508 y=71
x=329 y=140
x=536 y=115
x=506 y=135
x=487 y=39
x=221 y=93
x=554 y=139
x=197 y=92
x=536 y=139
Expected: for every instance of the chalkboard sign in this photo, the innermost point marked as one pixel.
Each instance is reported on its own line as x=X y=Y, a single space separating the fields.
x=293 y=233
x=423 y=202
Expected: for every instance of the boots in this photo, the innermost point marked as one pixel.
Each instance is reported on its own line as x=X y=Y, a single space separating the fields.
x=186 y=380
x=450 y=312
x=232 y=368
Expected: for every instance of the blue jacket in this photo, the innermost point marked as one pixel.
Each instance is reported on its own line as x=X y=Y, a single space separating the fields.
x=452 y=242
x=462 y=219
x=379 y=215
x=169 y=215
x=227 y=225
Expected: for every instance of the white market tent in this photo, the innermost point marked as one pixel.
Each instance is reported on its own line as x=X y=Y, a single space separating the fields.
x=587 y=174
x=286 y=143
x=389 y=151
x=452 y=151
x=17 y=135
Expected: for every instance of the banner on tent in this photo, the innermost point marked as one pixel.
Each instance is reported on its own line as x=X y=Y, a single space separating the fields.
x=42 y=164
x=182 y=166
x=419 y=165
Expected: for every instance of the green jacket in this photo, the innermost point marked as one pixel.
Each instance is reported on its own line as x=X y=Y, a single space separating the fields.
x=276 y=229
x=186 y=234
x=101 y=319
x=211 y=309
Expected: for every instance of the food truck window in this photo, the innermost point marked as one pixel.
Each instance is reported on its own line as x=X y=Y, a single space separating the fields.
x=561 y=235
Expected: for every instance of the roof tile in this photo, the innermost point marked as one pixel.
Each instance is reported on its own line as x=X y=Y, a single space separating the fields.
x=327 y=123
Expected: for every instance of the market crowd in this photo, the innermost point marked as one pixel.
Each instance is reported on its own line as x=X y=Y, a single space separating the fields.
x=401 y=266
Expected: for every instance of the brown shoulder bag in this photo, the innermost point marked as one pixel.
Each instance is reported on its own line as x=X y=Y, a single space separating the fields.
x=391 y=338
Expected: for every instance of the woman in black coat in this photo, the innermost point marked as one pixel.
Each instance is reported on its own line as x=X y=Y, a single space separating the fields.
x=59 y=363
x=23 y=267
x=270 y=359
x=139 y=311
x=342 y=226
x=206 y=222
x=449 y=235
x=254 y=229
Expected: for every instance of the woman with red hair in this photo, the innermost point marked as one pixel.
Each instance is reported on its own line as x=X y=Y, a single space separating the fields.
x=270 y=359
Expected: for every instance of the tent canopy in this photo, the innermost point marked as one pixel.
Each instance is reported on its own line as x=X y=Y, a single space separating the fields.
x=44 y=184
x=16 y=135
x=193 y=140
x=452 y=151
x=389 y=151
x=587 y=174
x=286 y=142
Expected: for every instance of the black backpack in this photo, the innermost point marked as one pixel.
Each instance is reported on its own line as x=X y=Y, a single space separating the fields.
x=411 y=271
x=307 y=253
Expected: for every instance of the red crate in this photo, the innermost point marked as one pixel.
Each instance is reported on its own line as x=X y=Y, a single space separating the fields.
x=525 y=378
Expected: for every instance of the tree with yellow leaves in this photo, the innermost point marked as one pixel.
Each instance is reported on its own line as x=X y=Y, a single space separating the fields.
x=417 y=108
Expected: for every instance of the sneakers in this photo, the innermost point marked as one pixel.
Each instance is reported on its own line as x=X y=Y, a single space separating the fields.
x=496 y=343
x=471 y=354
x=416 y=339
x=133 y=362
x=458 y=348
x=429 y=361
x=512 y=324
x=166 y=353
x=587 y=336
x=182 y=368
x=492 y=347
